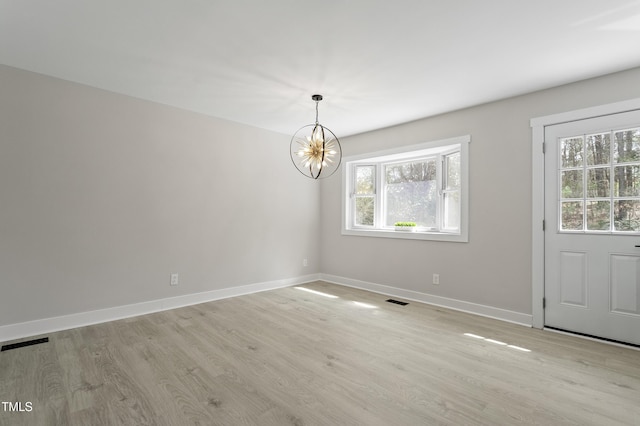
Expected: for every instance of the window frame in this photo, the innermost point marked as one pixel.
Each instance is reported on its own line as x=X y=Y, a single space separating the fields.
x=381 y=159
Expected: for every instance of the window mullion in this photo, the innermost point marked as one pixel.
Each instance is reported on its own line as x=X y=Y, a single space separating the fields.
x=352 y=196
x=612 y=225
x=585 y=188
x=440 y=182
x=378 y=217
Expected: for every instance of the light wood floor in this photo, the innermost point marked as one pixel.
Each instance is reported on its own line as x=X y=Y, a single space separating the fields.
x=289 y=357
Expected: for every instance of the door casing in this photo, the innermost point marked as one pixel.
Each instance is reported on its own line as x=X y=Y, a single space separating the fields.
x=538 y=125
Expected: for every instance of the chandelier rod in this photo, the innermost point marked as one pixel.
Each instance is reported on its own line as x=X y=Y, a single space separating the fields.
x=317 y=98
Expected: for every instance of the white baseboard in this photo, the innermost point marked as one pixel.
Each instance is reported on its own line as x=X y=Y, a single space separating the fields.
x=65 y=322
x=458 y=305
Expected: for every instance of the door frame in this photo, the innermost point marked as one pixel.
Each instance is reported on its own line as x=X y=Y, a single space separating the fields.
x=538 y=125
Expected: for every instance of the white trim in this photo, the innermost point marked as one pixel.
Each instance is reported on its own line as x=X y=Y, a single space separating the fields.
x=65 y=322
x=537 y=128
x=458 y=305
x=405 y=151
x=432 y=236
x=586 y=113
x=537 y=233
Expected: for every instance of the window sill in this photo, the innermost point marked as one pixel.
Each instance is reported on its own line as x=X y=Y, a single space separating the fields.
x=404 y=235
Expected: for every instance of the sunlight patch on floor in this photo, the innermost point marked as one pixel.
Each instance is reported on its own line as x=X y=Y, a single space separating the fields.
x=319 y=293
x=364 y=305
x=497 y=342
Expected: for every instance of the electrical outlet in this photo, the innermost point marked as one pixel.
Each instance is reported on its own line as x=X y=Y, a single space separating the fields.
x=436 y=279
x=174 y=279
x=305 y=262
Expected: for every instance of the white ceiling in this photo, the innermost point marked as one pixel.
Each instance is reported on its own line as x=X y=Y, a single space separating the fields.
x=377 y=62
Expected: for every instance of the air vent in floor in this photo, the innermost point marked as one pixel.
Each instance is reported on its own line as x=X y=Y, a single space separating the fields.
x=23 y=344
x=397 y=302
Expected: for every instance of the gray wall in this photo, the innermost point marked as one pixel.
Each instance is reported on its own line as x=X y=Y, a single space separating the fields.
x=102 y=196
x=494 y=268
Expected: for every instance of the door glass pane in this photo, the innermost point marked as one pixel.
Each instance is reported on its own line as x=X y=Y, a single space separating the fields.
x=626 y=215
x=598 y=149
x=572 y=216
x=364 y=211
x=627 y=146
x=411 y=193
x=598 y=215
x=572 y=184
x=598 y=182
x=571 y=152
x=627 y=181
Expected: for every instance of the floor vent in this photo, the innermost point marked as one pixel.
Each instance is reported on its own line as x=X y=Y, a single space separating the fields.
x=23 y=344
x=397 y=302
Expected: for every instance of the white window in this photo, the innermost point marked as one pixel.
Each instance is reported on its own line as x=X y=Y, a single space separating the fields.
x=425 y=185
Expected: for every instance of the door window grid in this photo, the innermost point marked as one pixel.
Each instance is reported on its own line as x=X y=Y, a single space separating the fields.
x=599 y=185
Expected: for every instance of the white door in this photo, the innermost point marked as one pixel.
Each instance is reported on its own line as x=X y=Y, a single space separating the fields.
x=592 y=232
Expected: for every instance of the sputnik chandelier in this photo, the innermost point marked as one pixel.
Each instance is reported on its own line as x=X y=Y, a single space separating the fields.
x=316 y=155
